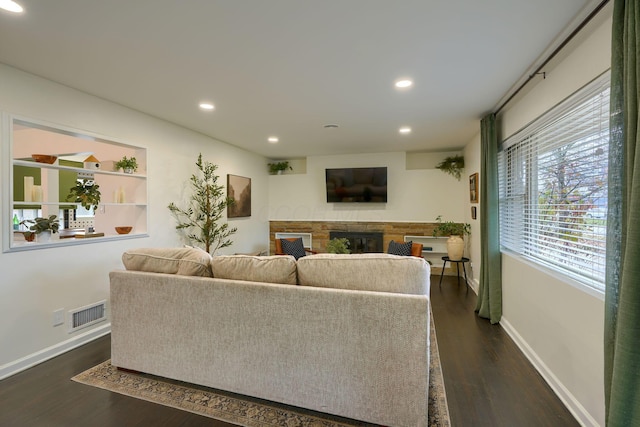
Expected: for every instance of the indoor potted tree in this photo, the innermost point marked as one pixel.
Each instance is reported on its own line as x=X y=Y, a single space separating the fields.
x=41 y=227
x=199 y=220
x=456 y=232
x=127 y=165
x=279 y=167
x=86 y=192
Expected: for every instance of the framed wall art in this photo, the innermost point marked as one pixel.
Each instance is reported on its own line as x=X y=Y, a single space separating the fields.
x=473 y=188
x=239 y=189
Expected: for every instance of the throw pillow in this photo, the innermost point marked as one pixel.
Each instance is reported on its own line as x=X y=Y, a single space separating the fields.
x=402 y=249
x=294 y=248
x=181 y=261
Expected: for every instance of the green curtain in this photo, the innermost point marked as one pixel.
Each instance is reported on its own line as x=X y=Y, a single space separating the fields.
x=489 y=303
x=622 y=298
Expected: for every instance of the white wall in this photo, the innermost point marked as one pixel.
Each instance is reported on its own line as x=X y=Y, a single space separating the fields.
x=558 y=325
x=35 y=283
x=472 y=165
x=413 y=195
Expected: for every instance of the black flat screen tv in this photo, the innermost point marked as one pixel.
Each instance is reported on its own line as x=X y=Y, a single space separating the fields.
x=356 y=185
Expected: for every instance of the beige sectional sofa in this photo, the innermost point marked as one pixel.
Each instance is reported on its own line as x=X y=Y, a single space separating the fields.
x=342 y=334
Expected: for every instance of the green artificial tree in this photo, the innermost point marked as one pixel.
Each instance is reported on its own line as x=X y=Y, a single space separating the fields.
x=200 y=220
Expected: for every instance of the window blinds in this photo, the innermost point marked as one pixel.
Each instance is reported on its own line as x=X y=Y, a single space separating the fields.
x=553 y=186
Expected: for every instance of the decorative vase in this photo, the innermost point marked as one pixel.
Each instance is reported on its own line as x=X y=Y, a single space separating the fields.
x=455 y=248
x=44 y=236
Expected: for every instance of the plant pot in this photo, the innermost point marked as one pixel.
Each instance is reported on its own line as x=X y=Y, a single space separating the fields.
x=279 y=172
x=128 y=170
x=43 y=236
x=455 y=248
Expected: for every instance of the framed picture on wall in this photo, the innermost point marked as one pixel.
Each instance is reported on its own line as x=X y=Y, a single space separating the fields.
x=474 y=212
x=473 y=188
x=239 y=189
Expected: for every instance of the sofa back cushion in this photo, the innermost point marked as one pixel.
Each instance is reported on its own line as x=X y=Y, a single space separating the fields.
x=270 y=269
x=366 y=272
x=182 y=261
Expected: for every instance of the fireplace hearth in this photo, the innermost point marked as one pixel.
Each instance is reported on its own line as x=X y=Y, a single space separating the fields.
x=360 y=242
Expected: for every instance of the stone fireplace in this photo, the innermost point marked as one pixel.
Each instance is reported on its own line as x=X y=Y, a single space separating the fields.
x=360 y=242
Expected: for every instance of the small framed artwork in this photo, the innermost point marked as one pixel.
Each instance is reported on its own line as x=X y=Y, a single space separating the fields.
x=239 y=189
x=474 y=212
x=473 y=188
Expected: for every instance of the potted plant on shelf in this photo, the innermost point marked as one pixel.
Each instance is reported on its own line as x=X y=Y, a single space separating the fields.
x=452 y=165
x=86 y=192
x=338 y=246
x=456 y=232
x=279 y=167
x=127 y=165
x=41 y=227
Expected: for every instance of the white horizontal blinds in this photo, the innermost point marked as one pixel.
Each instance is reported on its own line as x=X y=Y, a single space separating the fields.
x=553 y=186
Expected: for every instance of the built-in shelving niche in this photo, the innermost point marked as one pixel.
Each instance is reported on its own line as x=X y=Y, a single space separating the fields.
x=123 y=196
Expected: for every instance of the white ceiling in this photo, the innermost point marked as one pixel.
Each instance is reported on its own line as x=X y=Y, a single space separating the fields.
x=288 y=67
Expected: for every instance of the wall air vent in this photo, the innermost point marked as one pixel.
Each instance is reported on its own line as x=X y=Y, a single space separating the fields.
x=88 y=315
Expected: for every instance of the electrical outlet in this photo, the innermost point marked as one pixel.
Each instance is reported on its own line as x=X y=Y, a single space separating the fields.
x=58 y=317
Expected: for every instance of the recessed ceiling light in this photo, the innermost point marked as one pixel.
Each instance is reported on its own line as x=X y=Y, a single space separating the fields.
x=206 y=106
x=273 y=139
x=11 y=6
x=404 y=83
x=405 y=129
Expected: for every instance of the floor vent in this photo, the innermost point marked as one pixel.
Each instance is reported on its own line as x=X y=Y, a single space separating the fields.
x=88 y=315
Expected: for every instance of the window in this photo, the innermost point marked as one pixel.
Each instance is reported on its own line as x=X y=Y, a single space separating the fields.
x=553 y=186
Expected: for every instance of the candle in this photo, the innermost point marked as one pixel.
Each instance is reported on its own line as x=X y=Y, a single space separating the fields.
x=28 y=188
x=36 y=193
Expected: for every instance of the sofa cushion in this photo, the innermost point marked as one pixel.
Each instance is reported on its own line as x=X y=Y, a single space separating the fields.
x=270 y=269
x=365 y=272
x=182 y=261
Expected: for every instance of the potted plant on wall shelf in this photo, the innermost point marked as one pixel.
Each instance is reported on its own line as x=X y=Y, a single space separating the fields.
x=127 y=165
x=456 y=232
x=452 y=165
x=41 y=227
x=86 y=192
x=279 y=167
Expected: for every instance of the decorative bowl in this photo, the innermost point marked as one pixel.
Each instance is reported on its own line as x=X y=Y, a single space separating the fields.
x=123 y=229
x=44 y=158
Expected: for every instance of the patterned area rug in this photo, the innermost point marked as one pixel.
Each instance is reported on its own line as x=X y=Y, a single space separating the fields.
x=244 y=410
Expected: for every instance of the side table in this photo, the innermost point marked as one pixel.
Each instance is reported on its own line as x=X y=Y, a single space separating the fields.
x=458 y=262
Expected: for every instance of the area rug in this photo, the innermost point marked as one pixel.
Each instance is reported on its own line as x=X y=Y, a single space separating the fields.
x=243 y=410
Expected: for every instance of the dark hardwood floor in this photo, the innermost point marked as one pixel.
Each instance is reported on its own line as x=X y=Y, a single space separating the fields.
x=488 y=381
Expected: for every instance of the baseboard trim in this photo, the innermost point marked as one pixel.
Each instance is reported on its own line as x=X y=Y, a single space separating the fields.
x=43 y=355
x=567 y=398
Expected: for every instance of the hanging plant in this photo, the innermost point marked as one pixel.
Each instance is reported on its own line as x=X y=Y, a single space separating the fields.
x=86 y=193
x=452 y=165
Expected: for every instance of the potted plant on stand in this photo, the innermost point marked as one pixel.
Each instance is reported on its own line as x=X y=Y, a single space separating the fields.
x=279 y=167
x=41 y=227
x=456 y=232
x=127 y=165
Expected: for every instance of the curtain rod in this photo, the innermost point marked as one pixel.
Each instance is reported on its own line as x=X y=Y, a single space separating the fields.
x=554 y=53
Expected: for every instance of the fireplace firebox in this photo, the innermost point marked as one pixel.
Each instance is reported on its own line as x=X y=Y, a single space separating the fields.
x=360 y=242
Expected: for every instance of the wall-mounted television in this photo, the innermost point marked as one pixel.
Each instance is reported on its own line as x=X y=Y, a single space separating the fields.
x=356 y=185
